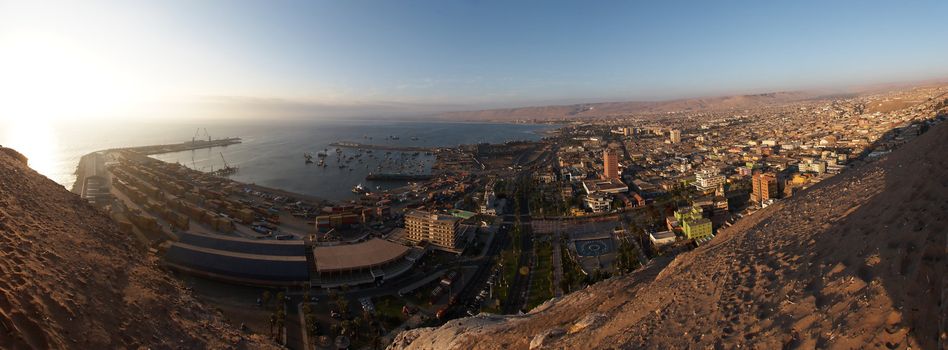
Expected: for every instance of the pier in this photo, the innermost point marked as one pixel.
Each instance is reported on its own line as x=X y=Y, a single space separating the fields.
x=356 y=145
x=185 y=146
x=397 y=177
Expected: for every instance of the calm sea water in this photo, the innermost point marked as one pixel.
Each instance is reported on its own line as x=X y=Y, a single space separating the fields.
x=271 y=153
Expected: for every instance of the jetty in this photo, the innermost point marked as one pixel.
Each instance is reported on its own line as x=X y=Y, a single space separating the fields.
x=356 y=145
x=186 y=146
x=397 y=177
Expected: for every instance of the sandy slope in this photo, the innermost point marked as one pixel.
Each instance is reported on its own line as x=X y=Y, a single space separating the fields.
x=68 y=279
x=857 y=261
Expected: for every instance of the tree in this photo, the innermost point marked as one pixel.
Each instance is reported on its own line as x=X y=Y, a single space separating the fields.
x=343 y=304
x=273 y=320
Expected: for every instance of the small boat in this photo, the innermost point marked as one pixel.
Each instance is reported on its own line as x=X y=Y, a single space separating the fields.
x=309 y=158
x=359 y=189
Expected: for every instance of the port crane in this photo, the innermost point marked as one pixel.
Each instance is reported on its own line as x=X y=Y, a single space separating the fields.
x=226 y=170
x=198 y=133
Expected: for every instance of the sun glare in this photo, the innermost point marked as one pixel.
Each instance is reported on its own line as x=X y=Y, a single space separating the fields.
x=48 y=78
x=37 y=140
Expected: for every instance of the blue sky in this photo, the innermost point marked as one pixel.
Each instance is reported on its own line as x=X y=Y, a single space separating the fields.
x=463 y=54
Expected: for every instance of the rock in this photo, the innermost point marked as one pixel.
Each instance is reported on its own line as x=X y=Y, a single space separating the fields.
x=587 y=322
x=543 y=340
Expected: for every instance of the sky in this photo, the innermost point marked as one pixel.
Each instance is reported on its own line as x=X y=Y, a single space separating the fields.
x=140 y=59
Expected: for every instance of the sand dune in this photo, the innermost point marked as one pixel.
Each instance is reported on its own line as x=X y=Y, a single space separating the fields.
x=69 y=279
x=857 y=261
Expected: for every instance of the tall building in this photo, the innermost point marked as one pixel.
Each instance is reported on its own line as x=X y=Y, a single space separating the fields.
x=764 y=187
x=438 y=229
x=610 y=164
x=708 y=180
x=674 y=136
x=695 y=229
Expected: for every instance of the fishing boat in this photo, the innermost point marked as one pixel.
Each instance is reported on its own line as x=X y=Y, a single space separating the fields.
x=359 y=189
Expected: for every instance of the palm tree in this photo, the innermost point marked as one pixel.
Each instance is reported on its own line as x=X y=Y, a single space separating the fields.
x=272 y=323
x=280 y=328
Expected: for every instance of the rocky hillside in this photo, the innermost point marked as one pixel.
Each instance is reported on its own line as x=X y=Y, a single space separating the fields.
x=854 y=262
x=69 y=279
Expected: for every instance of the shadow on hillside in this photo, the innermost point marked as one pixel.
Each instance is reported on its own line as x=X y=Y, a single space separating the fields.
x=890 y=237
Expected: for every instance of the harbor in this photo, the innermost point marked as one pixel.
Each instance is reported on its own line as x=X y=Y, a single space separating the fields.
x=186 y=146
x=363 y=146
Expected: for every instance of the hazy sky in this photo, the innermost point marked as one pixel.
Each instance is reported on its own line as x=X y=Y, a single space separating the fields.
x=133 y=56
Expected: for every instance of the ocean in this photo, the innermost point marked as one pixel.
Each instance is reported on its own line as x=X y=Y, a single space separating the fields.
x=272 y=153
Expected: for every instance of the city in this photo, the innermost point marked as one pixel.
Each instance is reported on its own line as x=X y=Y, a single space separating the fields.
x=496 y=228
x=429 y=174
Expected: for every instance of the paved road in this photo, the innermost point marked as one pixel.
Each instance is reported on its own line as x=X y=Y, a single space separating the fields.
x=517 y=295
x=557 y=265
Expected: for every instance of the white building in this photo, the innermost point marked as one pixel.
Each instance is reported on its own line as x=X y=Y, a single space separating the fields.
x=708 y=179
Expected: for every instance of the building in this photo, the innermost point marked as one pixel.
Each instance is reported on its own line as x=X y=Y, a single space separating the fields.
x=612 y=186
x=661 y=238
x=708 y=180
x=689 y=213
x=764 y=187
x=239 y=260
x=372 y=261
x=696 y=229
x=610 y=164
x=674 y=136
x=598 y=202
x=440 y=230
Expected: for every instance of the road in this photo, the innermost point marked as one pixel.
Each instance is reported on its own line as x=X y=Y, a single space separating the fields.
x=557 y=265
x=517 y=295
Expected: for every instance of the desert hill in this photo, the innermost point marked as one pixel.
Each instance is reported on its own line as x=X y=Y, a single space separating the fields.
x=857 y=261
x=625 y=108
x=69 y=279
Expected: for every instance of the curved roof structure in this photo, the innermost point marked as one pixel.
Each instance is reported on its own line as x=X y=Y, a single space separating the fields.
x=244 y=245
x=243 y=267
x=368 y=254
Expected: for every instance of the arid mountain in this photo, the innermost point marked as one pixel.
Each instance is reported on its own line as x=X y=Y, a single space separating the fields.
x=70 y=280
x=624 y=108
x=857 y=261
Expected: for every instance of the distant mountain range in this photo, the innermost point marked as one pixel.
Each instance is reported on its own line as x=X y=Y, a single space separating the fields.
x=720 y=103
x=605 y=109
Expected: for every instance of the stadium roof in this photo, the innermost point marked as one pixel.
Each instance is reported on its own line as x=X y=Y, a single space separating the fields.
x=373 y=252
x=238 y=266
x=243 y=245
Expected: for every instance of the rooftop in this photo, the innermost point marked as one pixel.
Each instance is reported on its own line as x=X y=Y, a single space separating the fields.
x=373 y=252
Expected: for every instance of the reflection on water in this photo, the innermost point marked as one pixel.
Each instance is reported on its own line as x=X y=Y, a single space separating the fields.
x=36 y=140
x=271 y=154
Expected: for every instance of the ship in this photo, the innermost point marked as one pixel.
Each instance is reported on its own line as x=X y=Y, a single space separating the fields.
x=227 y=170
x=359 y=189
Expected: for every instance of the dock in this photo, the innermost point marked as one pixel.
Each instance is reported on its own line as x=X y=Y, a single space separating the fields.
x=356 y=145
x=185 y=146
x=397 y=177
